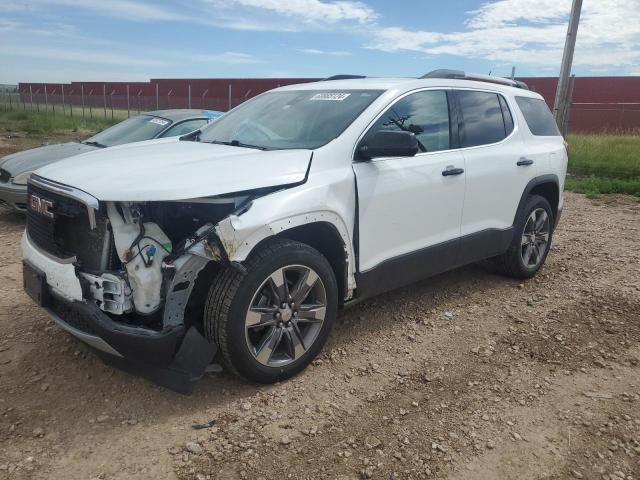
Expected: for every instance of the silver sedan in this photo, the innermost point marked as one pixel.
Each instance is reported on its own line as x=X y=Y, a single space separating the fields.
x=15 y=169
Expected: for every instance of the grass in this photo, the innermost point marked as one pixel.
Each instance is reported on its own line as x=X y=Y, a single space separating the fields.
x=604 y=164
x=594 y=186
x=33 y=122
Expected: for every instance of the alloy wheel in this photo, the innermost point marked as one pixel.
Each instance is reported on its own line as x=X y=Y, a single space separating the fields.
x=285 y=315
x=535 y=238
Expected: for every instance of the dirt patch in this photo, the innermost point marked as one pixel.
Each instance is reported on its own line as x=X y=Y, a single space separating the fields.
x=11 y=142
x=468 y=375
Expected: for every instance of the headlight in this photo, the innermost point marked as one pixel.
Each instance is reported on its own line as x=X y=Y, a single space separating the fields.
x=21 y=179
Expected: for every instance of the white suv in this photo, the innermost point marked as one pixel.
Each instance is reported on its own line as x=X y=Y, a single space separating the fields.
x=245 y=238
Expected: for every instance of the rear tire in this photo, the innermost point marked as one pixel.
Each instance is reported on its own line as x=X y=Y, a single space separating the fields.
x=531 y=240
x=272 y=322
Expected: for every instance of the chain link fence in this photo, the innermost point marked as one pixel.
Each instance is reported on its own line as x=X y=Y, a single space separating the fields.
x=101 y=102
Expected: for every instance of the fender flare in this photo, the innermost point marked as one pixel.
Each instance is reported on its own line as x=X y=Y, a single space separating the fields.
x=533 y=183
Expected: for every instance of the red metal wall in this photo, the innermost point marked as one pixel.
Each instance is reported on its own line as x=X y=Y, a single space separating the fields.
x=600 y=104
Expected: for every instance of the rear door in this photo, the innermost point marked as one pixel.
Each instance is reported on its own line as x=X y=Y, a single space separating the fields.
x=497 y=169
x=545 y=144
x=406 y=204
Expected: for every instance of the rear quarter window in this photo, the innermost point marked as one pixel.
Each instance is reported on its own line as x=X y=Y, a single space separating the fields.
x=538 y=117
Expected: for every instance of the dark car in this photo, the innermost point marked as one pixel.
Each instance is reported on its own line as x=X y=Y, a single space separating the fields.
x=15 y=169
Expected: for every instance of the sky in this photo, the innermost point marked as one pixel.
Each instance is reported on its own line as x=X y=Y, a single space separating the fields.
x=135 y=40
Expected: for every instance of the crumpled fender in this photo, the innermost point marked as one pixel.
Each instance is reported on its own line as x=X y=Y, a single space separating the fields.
x=328 y=196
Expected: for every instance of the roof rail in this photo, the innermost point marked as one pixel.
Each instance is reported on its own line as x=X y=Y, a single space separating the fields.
x=343 y=77
x=459 y=74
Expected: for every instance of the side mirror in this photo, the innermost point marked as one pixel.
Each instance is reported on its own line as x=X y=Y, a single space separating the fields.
x=384 y=143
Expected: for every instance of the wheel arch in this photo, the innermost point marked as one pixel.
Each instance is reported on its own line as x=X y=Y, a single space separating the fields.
x=324 y=231
x=324 y=237
x=548 y=187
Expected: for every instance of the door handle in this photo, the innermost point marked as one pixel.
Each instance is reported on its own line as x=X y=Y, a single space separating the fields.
x=451 y=171
x=525 y=162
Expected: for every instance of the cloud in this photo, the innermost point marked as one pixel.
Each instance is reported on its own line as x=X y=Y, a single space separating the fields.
x=286 y=16
x=312 y=11
x=335 y=53
x=521 y=32
x=229 y=58
x=502 y=12
x=250 y=15
x=125 y=9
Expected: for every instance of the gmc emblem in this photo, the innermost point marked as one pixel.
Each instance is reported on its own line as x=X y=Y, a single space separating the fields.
x=41 y=205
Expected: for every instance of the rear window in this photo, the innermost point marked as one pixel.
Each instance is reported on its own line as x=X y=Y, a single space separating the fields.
x=483 y=120
x=538 y=116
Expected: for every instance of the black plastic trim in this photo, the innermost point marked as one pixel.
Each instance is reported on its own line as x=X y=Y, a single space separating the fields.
x=533 y=183
x=454 y=120
x=408 y=268
x=343 y=77
x=174 y=357
x=187 y=367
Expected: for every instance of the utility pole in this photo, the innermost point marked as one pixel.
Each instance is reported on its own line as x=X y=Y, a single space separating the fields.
x=559 y=107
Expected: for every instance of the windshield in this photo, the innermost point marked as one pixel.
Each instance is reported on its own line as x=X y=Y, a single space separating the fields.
x=134 y=129
x=290 y=119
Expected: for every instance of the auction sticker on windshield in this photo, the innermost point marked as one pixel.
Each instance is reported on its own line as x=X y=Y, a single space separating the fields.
x=159 y=121
x=330 y=97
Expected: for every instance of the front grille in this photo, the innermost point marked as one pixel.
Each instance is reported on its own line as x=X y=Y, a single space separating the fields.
x=45 y=231
x=4 y=175
x=68 y=233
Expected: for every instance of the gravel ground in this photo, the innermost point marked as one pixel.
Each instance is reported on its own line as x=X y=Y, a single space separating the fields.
x=468 y=375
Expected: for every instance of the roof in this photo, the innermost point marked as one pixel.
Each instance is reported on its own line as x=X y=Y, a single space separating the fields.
x=405 y=85
x=178 y=115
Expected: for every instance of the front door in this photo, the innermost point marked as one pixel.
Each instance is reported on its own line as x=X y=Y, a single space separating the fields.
x=410 y=208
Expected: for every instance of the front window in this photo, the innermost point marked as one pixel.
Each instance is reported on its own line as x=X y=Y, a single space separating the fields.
x=305 y=119
x=426 y=114
x=134 y=129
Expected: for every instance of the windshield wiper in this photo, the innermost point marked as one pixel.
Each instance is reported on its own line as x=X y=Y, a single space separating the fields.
x=95 y=144
x=237 y=143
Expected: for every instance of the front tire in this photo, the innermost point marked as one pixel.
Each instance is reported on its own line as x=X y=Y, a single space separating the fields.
x=531 y=240
x=272 y=322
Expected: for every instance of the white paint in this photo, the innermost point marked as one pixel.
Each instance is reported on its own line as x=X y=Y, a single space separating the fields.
x=170 y=169
x=61 y=277
x=404 y=204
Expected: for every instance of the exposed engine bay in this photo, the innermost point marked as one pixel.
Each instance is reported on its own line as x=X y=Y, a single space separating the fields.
x=150 y=255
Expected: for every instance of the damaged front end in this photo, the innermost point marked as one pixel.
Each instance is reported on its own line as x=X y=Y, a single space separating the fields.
x=129 y=278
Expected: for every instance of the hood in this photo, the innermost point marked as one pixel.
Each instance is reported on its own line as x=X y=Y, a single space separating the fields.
x=160 y=170
x=30 y=160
